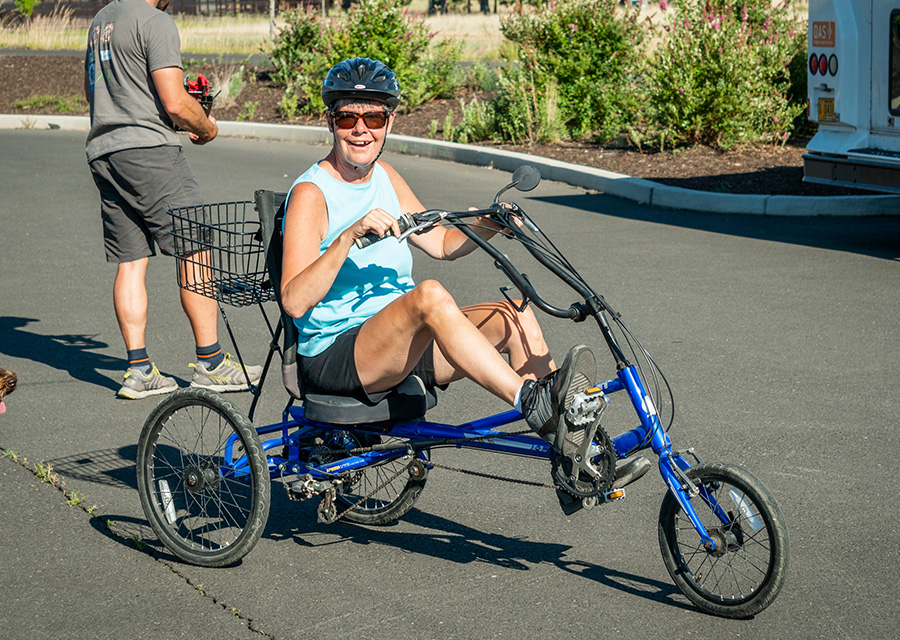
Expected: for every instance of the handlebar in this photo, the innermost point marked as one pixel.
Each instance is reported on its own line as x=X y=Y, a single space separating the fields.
x=423 y=221
x=405 y=222
x=525 y=178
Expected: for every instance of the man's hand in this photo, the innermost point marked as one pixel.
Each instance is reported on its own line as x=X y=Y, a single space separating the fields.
x=198 y=140
x=184 y=110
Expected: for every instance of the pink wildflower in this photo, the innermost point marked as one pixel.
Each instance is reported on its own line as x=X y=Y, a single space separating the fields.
x=573 y=27
x=663 y=5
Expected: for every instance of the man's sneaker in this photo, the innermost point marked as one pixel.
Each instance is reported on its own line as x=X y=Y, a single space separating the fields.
x=138 y=384
x=545 y=400
x=228 y=376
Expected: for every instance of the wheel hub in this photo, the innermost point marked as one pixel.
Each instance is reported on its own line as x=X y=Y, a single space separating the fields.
x=726 y=541
x=200 y=478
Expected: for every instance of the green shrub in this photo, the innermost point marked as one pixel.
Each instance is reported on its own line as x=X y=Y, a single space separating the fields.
x=569 y=73
x=722 y=74
x=589 y=50
x=295 y=43
x=379 y=29
x=27 y=7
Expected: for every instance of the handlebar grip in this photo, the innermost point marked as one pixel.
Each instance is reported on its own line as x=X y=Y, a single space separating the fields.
x=370 y=238
x=404 y=222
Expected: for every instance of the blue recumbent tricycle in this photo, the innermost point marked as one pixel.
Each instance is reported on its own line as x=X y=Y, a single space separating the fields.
x=205 y=473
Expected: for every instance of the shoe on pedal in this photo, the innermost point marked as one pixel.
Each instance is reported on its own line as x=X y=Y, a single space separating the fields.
x=546 y=400
x=629 y=470
x=228 y=376
x=138 y=384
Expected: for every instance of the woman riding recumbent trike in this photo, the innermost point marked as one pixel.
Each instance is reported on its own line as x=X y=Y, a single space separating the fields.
x=205 y=472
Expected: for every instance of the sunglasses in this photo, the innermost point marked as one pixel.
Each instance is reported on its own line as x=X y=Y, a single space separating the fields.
x=348 y=119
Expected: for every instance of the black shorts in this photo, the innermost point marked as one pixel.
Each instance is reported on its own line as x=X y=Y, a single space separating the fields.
x=137 y=187
x=333 y=372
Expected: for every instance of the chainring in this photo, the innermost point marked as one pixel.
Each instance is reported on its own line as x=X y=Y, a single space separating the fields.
x=573 y=479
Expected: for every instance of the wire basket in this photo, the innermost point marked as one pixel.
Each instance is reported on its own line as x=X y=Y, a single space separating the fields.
x=219 y=251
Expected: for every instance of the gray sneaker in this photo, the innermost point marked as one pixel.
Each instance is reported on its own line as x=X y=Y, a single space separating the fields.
x=138 y=385
x=546 y=399
x=228 y=376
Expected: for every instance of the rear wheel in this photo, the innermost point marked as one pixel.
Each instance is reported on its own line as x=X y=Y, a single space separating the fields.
x=203 y=479
x=393 y=488
x=745 y=572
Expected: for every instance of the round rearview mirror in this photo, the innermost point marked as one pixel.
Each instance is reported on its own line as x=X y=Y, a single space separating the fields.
x=526 y=177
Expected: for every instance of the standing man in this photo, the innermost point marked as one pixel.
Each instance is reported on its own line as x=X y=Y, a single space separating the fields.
x=134 y=82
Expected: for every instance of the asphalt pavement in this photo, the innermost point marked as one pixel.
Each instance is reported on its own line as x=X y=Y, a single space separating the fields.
x=778 y=335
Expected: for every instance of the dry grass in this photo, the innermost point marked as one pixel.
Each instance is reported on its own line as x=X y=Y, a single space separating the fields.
x=54 y=31
x=243 y=34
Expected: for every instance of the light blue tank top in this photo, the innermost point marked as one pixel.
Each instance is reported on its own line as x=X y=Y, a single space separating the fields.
x=370 y=278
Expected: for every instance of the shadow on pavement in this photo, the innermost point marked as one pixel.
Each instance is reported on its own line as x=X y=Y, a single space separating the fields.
x=71 y=352
x=455 y=542
x=876 y=236
x=109 y=467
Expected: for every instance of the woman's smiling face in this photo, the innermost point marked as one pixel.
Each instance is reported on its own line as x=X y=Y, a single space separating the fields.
x=360 y=144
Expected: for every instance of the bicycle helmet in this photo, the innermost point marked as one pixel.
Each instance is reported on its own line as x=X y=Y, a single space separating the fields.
x=361 y=78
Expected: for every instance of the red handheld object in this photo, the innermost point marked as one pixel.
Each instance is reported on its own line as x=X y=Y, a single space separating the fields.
x=199 y=89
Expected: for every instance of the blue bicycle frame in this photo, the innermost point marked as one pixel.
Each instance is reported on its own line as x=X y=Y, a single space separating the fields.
x=423 y=436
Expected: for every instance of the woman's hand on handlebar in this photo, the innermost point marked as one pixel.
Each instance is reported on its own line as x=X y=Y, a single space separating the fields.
x=377 y=222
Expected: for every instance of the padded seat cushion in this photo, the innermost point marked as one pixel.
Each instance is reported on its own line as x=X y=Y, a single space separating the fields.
x=407 y=401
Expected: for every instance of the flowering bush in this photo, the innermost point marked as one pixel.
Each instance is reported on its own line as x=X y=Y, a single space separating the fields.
x=722 y=74
x=379 y=29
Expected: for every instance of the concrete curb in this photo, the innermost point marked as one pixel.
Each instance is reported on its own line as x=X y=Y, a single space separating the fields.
x=608 y=182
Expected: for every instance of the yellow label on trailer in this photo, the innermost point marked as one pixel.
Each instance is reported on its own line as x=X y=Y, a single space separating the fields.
x=826 y=110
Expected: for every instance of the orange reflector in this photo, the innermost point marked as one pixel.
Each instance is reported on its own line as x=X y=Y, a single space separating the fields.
x=593 y=390
x=615 y=495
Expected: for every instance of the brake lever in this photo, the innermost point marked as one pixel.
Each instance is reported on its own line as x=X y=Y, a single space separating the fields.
x=433 y=218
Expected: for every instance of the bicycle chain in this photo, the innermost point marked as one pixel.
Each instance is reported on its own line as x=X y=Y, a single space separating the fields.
x=490 y=476
x=480 y=474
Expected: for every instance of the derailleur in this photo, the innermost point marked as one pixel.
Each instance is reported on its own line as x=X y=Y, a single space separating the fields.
x=306 y=487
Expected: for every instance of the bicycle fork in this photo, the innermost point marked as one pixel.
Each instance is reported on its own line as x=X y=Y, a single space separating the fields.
x=672 y=465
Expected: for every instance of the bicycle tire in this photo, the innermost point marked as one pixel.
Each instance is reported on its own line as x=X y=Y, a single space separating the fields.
x=200 y=511
x=746 y=573
x=390 y=502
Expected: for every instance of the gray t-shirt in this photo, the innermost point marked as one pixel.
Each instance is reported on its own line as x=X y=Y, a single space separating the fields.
x=128 y=40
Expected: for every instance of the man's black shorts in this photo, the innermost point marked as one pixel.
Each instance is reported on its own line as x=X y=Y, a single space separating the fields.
x=333 y=372
x=137 y=186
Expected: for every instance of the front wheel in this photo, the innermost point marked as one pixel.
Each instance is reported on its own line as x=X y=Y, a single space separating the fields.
x=202 y=478
x=744 y=573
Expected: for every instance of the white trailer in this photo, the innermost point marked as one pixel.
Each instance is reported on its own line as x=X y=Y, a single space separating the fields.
x=854 y=94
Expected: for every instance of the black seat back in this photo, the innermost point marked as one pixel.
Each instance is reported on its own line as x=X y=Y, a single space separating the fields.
x=270 y=206
x=410 y=399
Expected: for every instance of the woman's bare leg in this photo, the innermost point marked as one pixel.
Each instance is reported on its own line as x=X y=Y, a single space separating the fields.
x=393 y=340
x=516 y=334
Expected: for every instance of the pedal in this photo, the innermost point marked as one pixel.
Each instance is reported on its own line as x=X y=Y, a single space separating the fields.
x=586 y=407
x=580 y=423
x=306 y=487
